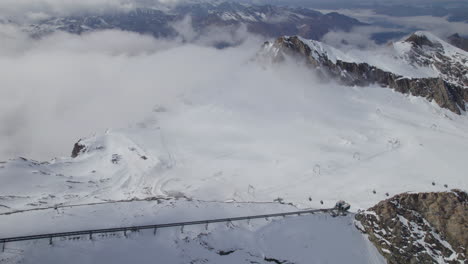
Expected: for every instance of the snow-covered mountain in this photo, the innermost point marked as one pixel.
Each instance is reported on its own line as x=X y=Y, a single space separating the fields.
x=421 y=64
x=274 y=146
x=270 y=21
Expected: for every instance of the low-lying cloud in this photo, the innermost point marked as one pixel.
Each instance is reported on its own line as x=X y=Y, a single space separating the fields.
x=437 y=25
x=63 y=87
x=359 y=37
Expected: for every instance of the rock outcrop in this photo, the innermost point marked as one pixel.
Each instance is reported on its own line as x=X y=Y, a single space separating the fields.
x=78 y=148
x=448 y=89
x=419 y=227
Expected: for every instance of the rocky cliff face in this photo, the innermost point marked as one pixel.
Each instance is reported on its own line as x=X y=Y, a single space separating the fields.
x=419 y=227
x=448 y=87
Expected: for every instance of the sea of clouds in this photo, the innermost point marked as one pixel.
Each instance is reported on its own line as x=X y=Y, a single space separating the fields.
x=61 y=87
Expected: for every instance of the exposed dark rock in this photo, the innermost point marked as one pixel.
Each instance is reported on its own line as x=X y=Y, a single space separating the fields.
x=274 y=260
x=225 y=253
x=78 y=148
x=116 y=158
x=279 y=200
x=419 y=40
x=443 y=90
x=419 y=227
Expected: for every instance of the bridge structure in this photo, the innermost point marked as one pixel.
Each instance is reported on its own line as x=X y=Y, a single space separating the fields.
x=155 y=227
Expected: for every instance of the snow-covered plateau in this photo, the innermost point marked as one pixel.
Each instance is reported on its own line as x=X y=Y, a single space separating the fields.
x=232 y=150
x=323 y=143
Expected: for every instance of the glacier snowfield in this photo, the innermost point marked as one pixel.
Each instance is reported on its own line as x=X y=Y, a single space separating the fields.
x=302 y=144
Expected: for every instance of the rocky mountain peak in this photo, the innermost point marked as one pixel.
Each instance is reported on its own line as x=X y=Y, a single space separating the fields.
x=421 y=65
x=419 y=39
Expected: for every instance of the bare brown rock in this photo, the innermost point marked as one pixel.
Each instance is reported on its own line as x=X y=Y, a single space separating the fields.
x=419 y=227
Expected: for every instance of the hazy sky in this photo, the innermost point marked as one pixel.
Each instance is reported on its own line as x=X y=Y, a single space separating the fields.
x=42 y=8
x=437 y=25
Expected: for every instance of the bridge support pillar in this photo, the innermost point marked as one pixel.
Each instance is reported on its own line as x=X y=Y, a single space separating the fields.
x=182 y=229
x=154 y=231
x=50 y=241
x=206 y=226
x=3 y=246
x=125 y=233
x=90 y=235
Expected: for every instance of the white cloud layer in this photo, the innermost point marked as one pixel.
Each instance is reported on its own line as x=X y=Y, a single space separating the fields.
x=63 y=87
x=437 y=25
x=358 y=37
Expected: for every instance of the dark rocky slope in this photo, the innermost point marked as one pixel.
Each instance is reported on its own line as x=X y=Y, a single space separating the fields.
x=419 y=227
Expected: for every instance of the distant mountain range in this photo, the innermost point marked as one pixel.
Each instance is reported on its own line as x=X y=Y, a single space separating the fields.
x=455 y=11
x=266 y=20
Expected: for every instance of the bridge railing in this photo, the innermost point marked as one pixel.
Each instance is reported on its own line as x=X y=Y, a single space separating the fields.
x=92 y=232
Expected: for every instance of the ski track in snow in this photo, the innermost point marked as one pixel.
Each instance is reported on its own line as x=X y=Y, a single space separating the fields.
x=326 y=144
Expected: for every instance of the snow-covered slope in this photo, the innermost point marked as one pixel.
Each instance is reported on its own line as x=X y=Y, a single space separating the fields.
x=420 y=55
x=428 y=51
x=306 y=146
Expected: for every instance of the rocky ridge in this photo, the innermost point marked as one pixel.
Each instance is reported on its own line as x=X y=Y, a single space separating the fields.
x=447 y=84
x=419 y=227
